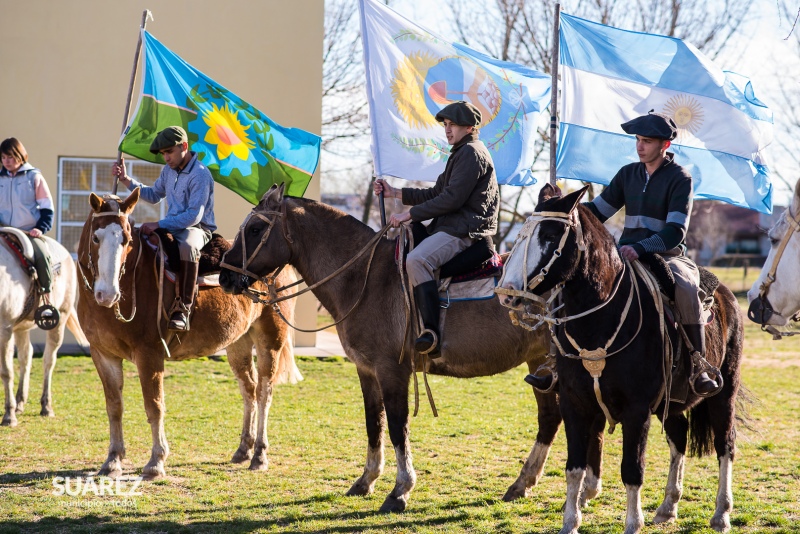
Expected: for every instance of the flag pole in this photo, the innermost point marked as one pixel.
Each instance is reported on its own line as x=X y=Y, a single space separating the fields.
x=554 y=96
x=145 y=15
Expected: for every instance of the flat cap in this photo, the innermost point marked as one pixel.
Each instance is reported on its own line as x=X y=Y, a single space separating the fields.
x=655 y=125
x=461 y=113
x=168 y=138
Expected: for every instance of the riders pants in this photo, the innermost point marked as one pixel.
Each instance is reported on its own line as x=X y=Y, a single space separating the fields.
x=688 y=295
x=432 y=253
x=190 y=242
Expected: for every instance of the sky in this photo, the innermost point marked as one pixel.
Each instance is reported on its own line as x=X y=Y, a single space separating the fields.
x=761 y=46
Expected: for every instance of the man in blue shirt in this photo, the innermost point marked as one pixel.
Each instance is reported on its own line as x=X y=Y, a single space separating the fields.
x=189 y=189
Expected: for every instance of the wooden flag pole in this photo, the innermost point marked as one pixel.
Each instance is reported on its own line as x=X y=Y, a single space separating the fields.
x=554 y=97
x=145 y=15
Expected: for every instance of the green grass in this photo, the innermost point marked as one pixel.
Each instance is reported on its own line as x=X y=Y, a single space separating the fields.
x=465 y=459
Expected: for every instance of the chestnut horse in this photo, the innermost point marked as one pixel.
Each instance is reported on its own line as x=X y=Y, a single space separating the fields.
x=119 y=311
x=367 y=298
x=613 y=364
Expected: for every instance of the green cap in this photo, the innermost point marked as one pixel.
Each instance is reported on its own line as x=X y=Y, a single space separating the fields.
x=168 y=138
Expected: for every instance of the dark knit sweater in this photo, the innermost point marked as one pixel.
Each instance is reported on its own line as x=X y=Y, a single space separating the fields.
x=657 y=208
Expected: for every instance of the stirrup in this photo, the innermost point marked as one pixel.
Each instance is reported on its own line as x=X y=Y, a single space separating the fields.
x=432 y=351
x=179 y=317
x=700 y=365
x=534 y=378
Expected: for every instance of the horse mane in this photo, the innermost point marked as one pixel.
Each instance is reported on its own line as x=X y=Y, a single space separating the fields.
x=602 y=261
x=327 y=214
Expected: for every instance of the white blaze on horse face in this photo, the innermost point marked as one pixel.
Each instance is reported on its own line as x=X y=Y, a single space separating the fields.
x=784 y=293
x=524 y=257
x=109 y=263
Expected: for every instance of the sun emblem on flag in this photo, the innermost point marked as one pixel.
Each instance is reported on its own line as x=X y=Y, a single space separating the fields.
x=687 y=113
x=227 y=133
x=407 y=92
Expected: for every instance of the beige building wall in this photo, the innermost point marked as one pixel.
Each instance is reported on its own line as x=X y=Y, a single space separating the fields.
x=67 y=65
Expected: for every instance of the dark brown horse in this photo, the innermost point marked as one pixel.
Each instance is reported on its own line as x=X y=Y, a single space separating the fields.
x=478 y=337
x=619 y=349
x=119 y=311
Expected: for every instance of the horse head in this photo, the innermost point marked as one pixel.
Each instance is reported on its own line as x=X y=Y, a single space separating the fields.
x=780 y=277
x=260 y=247
x=547 y=249
x=106 y=244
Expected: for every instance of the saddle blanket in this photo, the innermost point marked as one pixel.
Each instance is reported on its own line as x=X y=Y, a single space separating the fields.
x=479 y=289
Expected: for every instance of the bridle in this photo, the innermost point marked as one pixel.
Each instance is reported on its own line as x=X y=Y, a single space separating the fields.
x=270 y=279
x=93 y=270
x=525 y=235
x=765 y=310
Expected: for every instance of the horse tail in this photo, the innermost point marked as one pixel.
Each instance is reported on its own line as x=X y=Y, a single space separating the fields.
x=75 y=327
x=288 y=373
x=701 y=437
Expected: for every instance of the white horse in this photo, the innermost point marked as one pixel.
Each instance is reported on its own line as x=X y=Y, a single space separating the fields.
x=775 y=297
x=15 y=288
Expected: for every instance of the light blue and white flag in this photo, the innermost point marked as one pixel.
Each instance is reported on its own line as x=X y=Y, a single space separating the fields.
x=610 y=76
x=412 y=74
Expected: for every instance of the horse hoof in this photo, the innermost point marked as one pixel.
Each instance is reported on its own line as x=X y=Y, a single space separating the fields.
x=20 y=407
x=515 y=493
x=721 y=523
x=153 y=473
x=359 y=489
x=47 y=412
x=110 y=472
x=240 y=456
x=9 y=420
x=392 y=504
x=664 y=517
x=259 y=464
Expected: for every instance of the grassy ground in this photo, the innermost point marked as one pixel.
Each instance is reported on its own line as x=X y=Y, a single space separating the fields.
x=465 y=459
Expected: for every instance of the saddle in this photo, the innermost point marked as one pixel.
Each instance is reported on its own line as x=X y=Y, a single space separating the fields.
x=709 y=283
x=210 y=258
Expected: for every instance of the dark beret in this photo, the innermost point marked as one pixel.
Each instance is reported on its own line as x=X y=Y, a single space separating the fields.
x=461 y=113
x=168 y=138
x=655 y=125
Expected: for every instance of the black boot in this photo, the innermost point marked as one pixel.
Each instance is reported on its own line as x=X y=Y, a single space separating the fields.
x=188 y=282
x=703 y=384
x=427 y=296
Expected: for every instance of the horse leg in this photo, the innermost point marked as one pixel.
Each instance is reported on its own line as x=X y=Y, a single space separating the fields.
x=575 y=425
x=722 y=410
x=7 y=374
x=395 y=399
x=22 y=340
x=240 y=358
x=593 y=484
x=635 y=426
x=375 y=416
x=55 y=338
x=676 y=426
x=110 y=371
x=151 y=378
x=549 y=418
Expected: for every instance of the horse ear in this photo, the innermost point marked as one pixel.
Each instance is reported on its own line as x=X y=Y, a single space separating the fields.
x=95 y=202
x=549 y=191
x=796 y=199
x=129 y=203
x=573 y=199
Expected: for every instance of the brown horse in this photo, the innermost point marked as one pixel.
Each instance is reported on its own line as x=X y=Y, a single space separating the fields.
x=119 y=310
x=478 y=338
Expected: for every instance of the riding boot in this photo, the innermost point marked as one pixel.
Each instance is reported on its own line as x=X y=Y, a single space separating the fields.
x=427 y=297
x=188 y=282
x=540 y=382
x=703 y=384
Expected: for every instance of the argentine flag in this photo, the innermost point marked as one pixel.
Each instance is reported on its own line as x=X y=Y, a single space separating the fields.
x=610 y=76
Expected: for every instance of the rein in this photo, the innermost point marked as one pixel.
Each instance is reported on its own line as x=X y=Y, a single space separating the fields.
x=269 y=280
x=93 y=272
x=794 y=226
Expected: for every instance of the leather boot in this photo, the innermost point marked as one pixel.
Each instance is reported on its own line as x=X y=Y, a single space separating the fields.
x=704 y=384
x=427 y=296
x=540 y=382
x=188 y=282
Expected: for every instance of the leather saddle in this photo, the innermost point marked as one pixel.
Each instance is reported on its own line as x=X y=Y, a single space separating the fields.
x=210 y=257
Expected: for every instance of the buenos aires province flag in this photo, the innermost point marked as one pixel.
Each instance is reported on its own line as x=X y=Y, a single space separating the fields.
x=412 y=74
x=243 y=148
x=610 y=76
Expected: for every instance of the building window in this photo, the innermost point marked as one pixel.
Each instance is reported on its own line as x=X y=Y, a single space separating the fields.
x=77 y=177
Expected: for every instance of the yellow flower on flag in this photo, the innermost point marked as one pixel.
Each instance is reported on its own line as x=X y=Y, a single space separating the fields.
x=227 y=133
